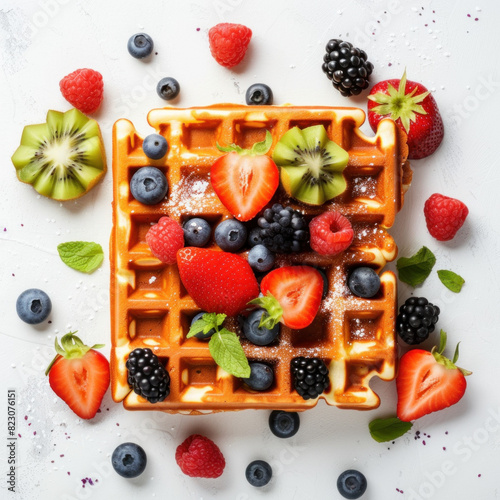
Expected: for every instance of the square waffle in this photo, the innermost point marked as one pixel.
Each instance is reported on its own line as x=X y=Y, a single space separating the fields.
x=151 y=308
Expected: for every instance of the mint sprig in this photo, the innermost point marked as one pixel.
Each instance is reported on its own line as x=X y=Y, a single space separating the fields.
x=224 y=346
x=206 y=323
x=83 y=256
x=388 y=429
x=451 y=280
x=415 y=269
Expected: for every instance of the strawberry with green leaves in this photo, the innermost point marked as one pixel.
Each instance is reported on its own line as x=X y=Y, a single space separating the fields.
x=291 y=295
x=413 y=108
x=245 y=180
x=79 y=375
x=428 y=382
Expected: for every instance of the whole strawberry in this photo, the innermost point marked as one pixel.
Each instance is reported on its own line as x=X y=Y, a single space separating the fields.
x=83 y=89
x=413 y=108
x=444 y=216
x=199 y=456
x=229 y=43
x=164 y=239
x=218 y=282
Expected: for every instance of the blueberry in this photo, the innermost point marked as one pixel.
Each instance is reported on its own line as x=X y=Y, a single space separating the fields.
x=258 y=473
x=256 y=335
x=261 y=377
x=140 y=45
x=364 y=282
x=325 y=281
x=197 y=232
x=254 y=237
x=260 y=258
x=33 y=306
x=230 y=235
x=129 y=460
x=259 y=94
x=168 y=88
x=351 y=484
x=149 y=185
x=155 y=146
x=201 y=335
x=284 y=424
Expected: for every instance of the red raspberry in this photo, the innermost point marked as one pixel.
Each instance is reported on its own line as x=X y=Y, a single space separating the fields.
x=444 y=216
x=331 y=233
x=228 y=43
x=164 y=239
x=83 y=89
x=198 y=456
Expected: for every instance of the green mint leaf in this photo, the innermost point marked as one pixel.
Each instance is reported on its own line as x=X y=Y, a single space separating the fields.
x=220 y=319
x=227 y=352
x=205 y=324
x=84 y=256
x=388 y=429
x=415 y=269
x=451 y=280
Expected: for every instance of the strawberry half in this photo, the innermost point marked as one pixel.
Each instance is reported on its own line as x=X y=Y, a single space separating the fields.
x=245 y=180
x=414 y=110
x=292 y=295
x=79 y=375
x=428 y=382
x=218 y=282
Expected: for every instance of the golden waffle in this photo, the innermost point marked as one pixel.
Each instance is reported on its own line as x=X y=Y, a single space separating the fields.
x=151 y=308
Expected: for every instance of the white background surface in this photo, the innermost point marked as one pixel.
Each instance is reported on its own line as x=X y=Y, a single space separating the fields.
x=441 y=46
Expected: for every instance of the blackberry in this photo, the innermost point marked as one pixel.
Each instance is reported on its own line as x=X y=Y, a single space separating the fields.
x=310 y=377
x=416 y=320
x=283 y=229
x=347 y=67
x=147 y=376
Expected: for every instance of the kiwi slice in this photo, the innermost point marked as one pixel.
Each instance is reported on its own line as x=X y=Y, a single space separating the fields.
x=62 y=158
x=311 y=165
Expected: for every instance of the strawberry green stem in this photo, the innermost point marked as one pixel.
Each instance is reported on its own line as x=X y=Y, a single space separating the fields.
x=274 y=311
x=71 y=347
x=398 y=104
x=437 y=352
x=258 y=149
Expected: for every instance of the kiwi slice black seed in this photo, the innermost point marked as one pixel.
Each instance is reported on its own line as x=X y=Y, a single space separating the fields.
x=62 y=158
x=311 y=165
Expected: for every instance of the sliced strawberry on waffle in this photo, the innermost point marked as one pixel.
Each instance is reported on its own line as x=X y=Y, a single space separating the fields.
x=428 y=382
x=218 y=282
x=245 y=180
x=292 y=296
